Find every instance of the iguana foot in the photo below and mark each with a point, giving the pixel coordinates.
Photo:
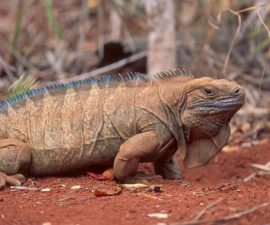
(140, 178)
(14, 180)
(15, 157)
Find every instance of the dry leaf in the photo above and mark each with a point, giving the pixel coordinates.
(99, 192)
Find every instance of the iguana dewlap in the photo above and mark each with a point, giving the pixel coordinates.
(109, 122)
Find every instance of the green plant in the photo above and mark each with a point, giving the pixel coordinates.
(52, 23)
(22, 85)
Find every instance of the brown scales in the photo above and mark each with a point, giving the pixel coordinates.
(118, 126)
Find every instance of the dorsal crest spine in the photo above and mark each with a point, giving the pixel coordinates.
(102, 79)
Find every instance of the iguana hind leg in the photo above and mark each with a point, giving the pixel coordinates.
(15, 157)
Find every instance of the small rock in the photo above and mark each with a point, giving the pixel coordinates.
(75, 187)
(185, 185)
(46, 189)
(227, 187)
(135, 186)
(158, 215)
(245, 127)
(39, 203)
(229, 148)
(155, 188)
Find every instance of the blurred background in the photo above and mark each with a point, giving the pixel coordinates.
(44, 41)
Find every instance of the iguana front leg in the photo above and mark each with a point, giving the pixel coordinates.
(166, 165)
(15, 157)
(168, 169)
(141, 147)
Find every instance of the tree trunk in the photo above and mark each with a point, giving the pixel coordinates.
(115, 20)
(161, 37)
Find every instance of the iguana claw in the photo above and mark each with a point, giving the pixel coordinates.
(14, 180)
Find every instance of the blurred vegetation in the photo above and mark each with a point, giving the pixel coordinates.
(60, 39)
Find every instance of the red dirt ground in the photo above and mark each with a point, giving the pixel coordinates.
(182, 200)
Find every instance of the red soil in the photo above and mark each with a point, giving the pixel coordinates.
(182, 200)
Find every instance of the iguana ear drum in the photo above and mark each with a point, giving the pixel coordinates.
(200, 151)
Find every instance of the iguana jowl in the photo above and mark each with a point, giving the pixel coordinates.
(103, 122)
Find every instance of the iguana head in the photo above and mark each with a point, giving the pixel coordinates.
(209, 106)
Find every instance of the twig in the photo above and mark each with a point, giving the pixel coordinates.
(249, 177)
(119, 8)
(263, 23)
(247, 23)
(81, 39)
(261, 80)
(268, 33)
(227, 218)
(233, 40)
(264, 167)
(24, 188)
(201, 213)
(100, 18)
(104, 69)
(19, 21)
(52, 23)
(263, 62)
(237, 32)
(39, 38)
(70, 201)
(16, 54)
(251, 8)
(263, 173)
(210, 19)
(56, 60)
(8, 69)
(265, 85)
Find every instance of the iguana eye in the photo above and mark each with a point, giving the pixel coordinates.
(207, 91)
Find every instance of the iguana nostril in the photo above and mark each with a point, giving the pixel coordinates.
(237, 90)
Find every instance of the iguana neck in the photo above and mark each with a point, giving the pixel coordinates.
(186, 133)
(173, 99)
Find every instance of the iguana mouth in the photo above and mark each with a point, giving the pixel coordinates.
(219, 106)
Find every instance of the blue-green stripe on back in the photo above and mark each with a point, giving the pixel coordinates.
(103, 79)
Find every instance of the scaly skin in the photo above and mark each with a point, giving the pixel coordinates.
(118, 126)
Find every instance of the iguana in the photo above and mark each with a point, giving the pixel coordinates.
(116, 122)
